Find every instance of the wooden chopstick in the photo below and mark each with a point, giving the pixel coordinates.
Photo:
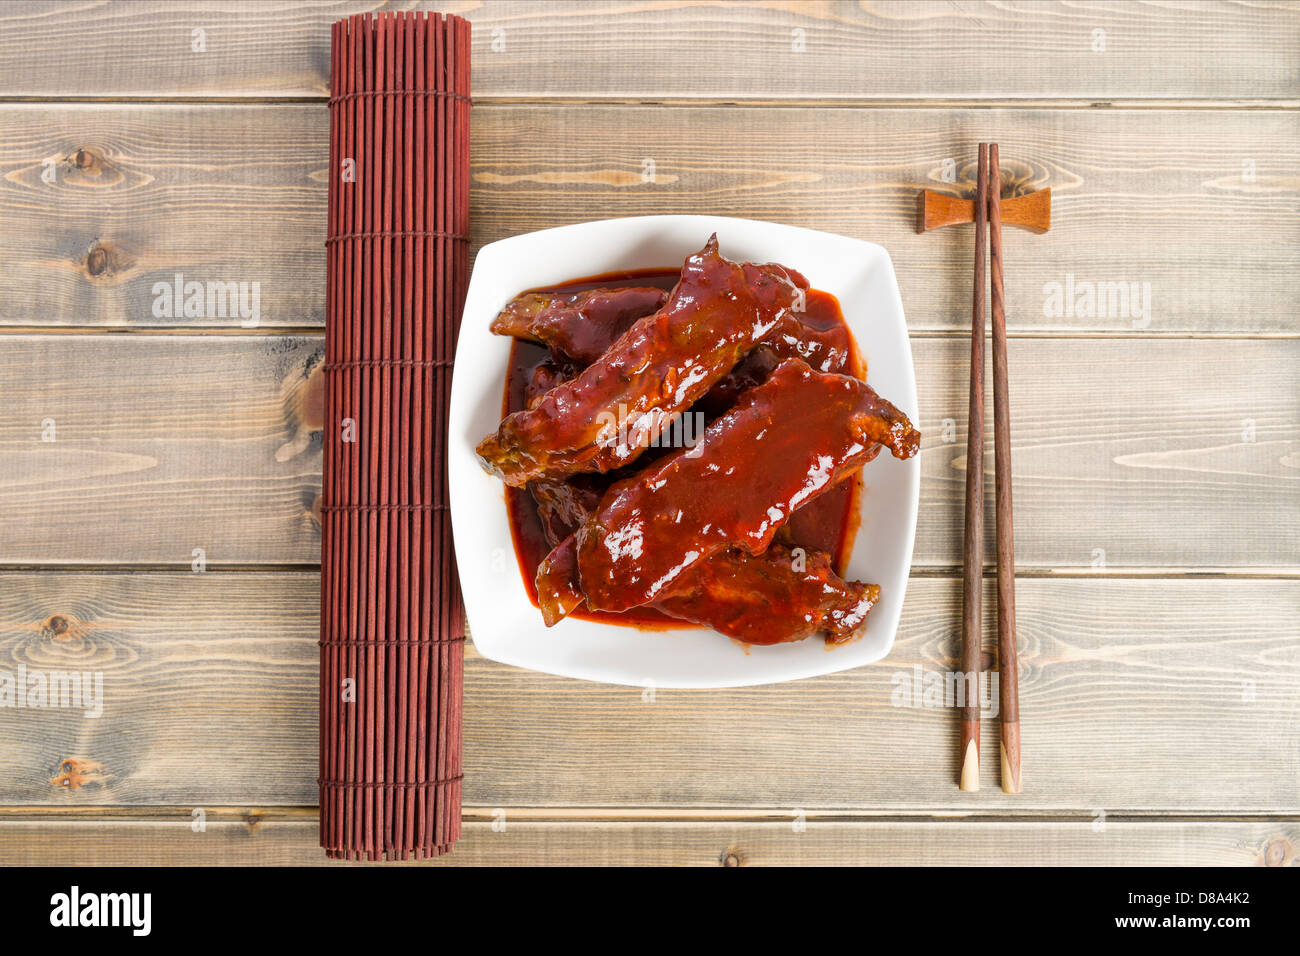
(973, 542)
(1008, 665)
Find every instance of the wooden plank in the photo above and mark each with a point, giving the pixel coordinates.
(162, 445)
(1124, 456)
(142, 194)
(1196, 210)
(206, 677)
(1137, 696)
(293, 843)
(581, 49)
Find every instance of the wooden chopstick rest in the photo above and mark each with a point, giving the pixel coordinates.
(936, 210)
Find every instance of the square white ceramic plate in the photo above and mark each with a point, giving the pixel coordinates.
(504, 624)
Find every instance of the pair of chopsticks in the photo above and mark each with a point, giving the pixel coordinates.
(988, 215)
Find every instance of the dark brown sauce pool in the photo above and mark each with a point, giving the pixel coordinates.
(828, 523)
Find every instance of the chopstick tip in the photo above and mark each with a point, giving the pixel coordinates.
(1010, 748)
(970, 767)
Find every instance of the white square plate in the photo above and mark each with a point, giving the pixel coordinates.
(504, 624)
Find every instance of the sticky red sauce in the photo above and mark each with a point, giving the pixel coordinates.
(828, 523)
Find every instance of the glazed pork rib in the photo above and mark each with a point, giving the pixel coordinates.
(781, 595)
(770, 598)
(752, 369)
(579, 325)
(659, 367)
(775, 597)
(783, 443)
(582, 326)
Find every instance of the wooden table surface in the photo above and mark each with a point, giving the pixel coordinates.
(1156, 441)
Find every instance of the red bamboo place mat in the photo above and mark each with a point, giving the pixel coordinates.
(392, 625)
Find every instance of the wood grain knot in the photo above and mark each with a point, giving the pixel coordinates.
(71, 641)
(1018, 178)
(64, 628)
(732, 857)
(99, 261)
(303, 394)
(91, 167)
(1279, 852)
(75, 773)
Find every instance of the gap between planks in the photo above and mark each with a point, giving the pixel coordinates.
(706, 815)
(974, 103)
